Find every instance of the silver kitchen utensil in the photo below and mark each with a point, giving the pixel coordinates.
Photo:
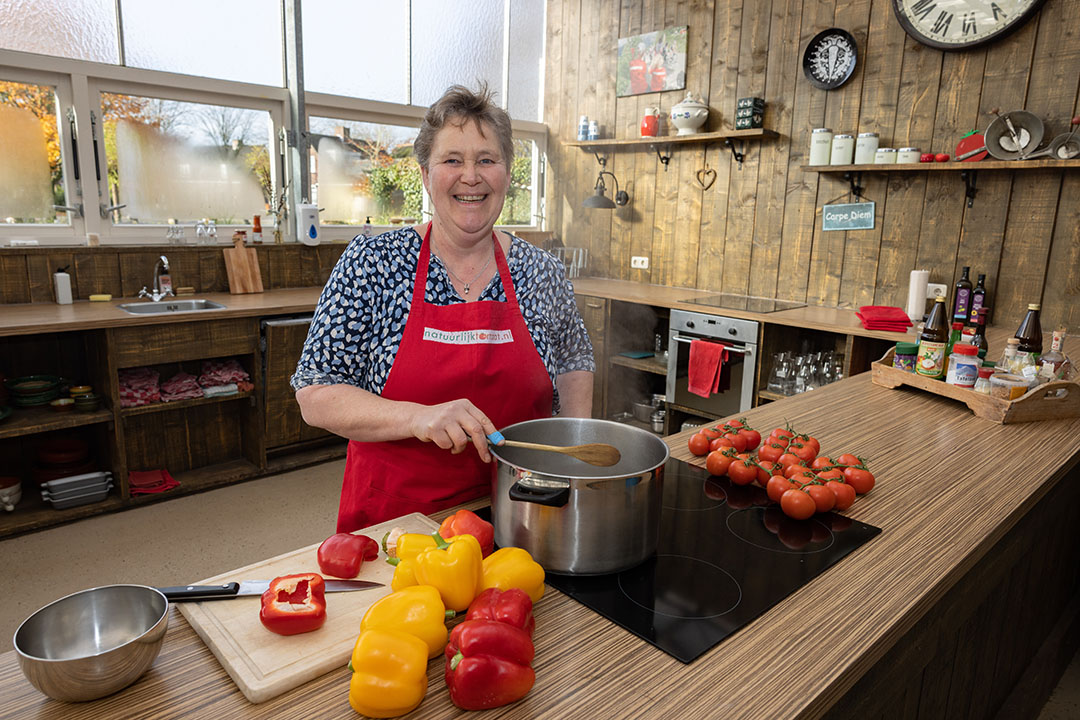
(1013, 135)
(94, 642)
(227, 591)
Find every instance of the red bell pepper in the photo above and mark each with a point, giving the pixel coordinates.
(294, 604)
(341, 555)
(511, 606)
(488, 664)
(466, 522)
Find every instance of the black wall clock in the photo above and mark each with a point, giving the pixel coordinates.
(829, 59)
(962, 24)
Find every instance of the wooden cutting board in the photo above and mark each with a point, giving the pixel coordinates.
(264, 665)
(242, 267)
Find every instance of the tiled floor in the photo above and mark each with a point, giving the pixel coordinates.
(197, 536)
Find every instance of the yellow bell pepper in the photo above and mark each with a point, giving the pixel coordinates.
(512, 567)
(417, 610)
(410, 545)
(453, 567)
(389, 673)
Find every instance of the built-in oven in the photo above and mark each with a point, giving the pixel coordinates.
(737, 390)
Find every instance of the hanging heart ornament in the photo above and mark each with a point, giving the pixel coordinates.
(706, 177)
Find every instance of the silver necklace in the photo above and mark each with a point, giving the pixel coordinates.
(467, 285)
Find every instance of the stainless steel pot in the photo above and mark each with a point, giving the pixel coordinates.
(572, 517)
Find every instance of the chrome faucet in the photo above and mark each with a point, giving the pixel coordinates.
(159, 292)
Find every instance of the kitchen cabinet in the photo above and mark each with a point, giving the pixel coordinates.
(282, 341)
(594, 312)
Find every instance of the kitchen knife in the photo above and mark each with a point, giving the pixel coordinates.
(226, 591)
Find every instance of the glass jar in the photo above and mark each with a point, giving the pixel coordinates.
(843, 150)
(820, 146)
(885, 156)
(865, 147)
(982, 385)
(904, 356)
(964, 366)
(908, 155)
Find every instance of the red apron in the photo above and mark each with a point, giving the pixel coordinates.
(477, 350)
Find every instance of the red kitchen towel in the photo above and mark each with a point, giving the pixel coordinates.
(883, 317)
(706, 364)
(147, 482)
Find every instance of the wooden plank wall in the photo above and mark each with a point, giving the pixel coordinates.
(26, 275)
(757, 229)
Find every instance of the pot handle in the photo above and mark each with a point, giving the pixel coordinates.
(552, 497)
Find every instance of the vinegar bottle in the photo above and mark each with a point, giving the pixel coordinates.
(932, 341)
(962, 298)
(1030, 336)
(978, 296)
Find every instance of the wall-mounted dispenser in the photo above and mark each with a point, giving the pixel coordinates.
(307, 223)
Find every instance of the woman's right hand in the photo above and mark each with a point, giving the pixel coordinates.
(452, 425)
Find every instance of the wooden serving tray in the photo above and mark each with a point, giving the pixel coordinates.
(1039, 403)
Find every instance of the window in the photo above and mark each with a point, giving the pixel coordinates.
(31, 167)
(80, 29)
(362, 170)
(519, 209)
(185, 161)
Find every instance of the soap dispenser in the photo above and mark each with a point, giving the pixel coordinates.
(62, 283)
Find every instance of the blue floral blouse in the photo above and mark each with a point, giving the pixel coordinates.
(360, 319)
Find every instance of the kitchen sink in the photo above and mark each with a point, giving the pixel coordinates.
(169, 306)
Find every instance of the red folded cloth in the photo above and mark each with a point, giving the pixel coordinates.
(706, 365)
(147, 482)
(883, 317)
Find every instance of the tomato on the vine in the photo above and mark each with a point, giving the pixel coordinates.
(719, 443)
(770, 451)
(764, 472)
(810, 441)
(833, 474)
(698, 444)
(804, 452)
(821, 461)
(793, 470)
(860, 479)
(797, 504)
(737, 441)
(742, 470)
(782, 433)
(848, 459)
(710, 432)
(845, 494)
(789, 459)
(734, 425)
(752, 437)
(822, 496)
(777, 486)
(717, 462)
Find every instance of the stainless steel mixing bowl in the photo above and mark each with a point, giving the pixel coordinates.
(94, 642)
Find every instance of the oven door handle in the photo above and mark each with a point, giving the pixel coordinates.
(747, 350)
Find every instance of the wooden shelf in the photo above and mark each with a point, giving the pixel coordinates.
(33, 513)
(182, 404)
(755, 134)
(27, 421)
(648, 364)
(951, 166)
(770, 395)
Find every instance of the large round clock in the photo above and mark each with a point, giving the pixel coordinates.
(962, 24)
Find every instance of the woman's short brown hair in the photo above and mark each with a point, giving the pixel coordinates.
(458, 105)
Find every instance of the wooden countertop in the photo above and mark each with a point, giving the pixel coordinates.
(35, 318)
(950, 485)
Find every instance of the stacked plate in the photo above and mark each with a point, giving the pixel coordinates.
(33, 390)
(77, 490)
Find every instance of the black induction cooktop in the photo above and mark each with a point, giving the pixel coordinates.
(725, 556)
(729, 301)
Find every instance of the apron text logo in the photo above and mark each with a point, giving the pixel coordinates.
(468, 337)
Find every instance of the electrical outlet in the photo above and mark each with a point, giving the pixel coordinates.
(934, 290)
(639, 262)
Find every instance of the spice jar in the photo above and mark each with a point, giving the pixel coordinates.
(820, 146)
(908, 155)
(1008, 387)
(865, 147)
(843, 150)
(982, 385)
(964, 365)
(658, 420)
(885, 156)
(904, 356)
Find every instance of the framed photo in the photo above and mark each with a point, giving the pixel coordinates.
(652, 62)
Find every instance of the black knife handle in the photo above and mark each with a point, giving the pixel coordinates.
(184, 593)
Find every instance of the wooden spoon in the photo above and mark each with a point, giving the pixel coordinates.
(600, 454)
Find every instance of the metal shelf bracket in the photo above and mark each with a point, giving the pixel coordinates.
(853, 182)
(970, 191)
(665, 159)
(739, 153)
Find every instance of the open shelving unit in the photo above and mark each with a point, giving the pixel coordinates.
(727, 137)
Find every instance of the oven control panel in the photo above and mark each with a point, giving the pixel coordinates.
(716, 327)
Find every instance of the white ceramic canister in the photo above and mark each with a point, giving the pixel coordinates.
(820, 146)
(843, 150)
(908, 155)
(865, 147)
(885, 156)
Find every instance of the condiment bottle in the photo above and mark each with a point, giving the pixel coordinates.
(982, 385)
(963, 366)
(955, 336)
(1029, 335)
(256, 230)
(1008, 356)
(979, 338)
(1055, 365)
(962, 297)
(932, 342)
(978, 295)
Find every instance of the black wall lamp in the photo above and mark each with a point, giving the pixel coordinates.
(598, 199)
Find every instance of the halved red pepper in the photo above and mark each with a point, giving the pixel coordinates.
(466, 522)
(294, 604)
(512, 606)
(488, 664)
(341, 555)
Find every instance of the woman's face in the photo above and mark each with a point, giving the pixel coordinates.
(466, 178)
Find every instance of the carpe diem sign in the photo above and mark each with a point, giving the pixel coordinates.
(848, 216)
